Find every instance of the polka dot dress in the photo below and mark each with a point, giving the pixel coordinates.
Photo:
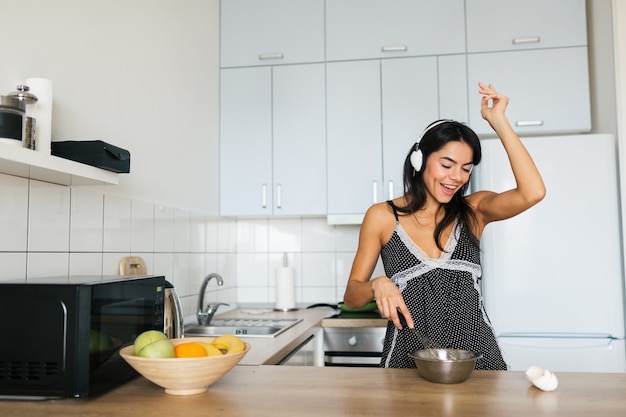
(444, 298)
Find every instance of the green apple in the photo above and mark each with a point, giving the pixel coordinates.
(99, 341)
(146, 338)
(158, 349)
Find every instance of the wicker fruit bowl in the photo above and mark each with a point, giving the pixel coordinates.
(184, 376)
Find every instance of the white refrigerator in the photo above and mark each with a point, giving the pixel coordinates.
(553, 283)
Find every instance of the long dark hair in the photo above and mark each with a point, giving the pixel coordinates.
(434, 138)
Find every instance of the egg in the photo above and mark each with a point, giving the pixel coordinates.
(542, 378)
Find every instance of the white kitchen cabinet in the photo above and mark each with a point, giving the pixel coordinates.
(548, 89)
(376, 111)
(272, 141)
(503, 25)
(365, 29)
(271, 32)
(354, 136)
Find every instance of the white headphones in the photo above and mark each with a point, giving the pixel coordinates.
(416, 156)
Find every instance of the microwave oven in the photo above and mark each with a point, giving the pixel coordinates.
(61, 336)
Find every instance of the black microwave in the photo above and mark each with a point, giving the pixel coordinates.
(61, 336)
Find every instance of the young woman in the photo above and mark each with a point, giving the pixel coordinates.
(428, 240)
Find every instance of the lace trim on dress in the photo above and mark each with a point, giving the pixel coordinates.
(428, 264)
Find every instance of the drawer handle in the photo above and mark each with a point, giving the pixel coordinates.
(391, 189)
(395, 48)
(527, 39)
(524, 123)
(270, 56)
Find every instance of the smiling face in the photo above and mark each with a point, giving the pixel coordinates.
(447, 170)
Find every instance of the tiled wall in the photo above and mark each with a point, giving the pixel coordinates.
(54, 230)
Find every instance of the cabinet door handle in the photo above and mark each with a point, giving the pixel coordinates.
(395, 48)
(374, 192)
(279, 199)
(524, 123)
(526, 39)
(270, 56)
(391, 189)
(264, 195)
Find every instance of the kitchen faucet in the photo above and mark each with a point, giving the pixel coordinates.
(206, 315)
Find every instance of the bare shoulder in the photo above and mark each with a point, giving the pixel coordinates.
(379, 219)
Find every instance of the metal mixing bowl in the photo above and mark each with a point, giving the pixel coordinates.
(445, 366)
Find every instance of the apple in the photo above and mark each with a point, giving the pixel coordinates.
(99, 341)
(159, 349)
(146, 338)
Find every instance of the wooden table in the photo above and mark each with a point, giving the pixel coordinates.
(278, 391)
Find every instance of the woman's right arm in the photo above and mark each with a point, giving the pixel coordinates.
(360, 289)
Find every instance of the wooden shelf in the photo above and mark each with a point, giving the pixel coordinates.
(27, 163)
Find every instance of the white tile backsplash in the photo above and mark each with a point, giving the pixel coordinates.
(48, 217)
(47, 264)
(197, 232)
(317, 236)
(13, 213)
(117, 215)
(163, 229)
(252, 235)
(85, 263)
(86, 221)
(53, 230)
(142, 227)
(13, 266)
(285, 235)
(182, 231)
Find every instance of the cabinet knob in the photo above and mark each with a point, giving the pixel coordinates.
(352, 341)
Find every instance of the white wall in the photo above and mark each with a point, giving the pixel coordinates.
(139, 74)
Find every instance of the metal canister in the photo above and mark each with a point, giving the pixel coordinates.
(24, 95)
(12, 113)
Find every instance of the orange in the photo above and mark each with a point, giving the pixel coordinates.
(189, 350)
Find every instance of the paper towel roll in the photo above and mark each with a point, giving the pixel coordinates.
(285, 288)
(42, 112)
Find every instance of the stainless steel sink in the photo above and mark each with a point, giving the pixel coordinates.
(242, 327)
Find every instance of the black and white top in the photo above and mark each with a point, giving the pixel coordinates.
(444, 298)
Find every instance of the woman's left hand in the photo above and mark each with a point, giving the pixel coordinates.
(498, 105)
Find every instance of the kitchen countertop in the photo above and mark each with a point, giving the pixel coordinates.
(270, 350)
(278, 391)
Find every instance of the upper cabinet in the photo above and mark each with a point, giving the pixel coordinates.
(531, 50)
(271, 32)
(507, 25)
(548, 89)
(329, 133)
(364, 29)
(376, 111)
(272, 141)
